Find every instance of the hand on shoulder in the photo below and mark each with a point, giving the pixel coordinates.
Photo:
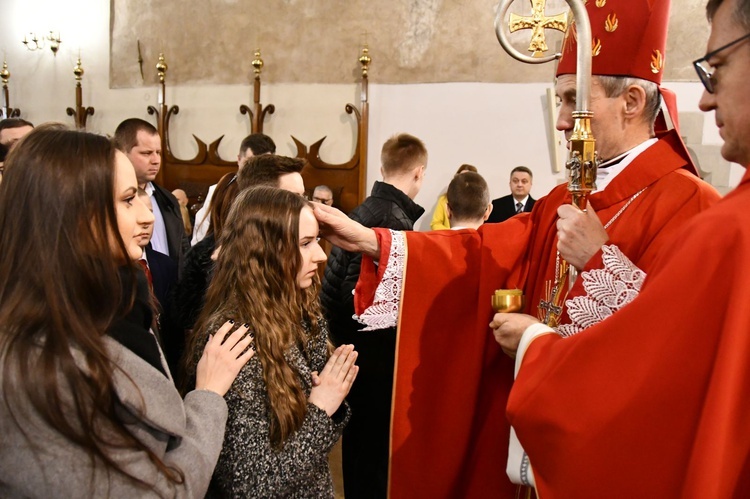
(223, 358)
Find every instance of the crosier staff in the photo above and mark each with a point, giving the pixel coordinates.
(582, 163)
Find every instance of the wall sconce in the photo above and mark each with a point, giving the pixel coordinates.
(37, 42)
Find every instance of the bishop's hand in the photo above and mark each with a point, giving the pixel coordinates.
(580, 234)
(344, 232)
(508, 329)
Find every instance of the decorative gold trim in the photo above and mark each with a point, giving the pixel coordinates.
(611, 24)
(657, 61)
(596, 46)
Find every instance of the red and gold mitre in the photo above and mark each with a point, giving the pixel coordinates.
(629, 38)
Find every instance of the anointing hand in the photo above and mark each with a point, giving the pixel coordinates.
(344, 232)
(580, 234)
(508, 329)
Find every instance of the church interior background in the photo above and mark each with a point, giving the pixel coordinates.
(436, 71)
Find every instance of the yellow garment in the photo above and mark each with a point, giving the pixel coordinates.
(440, 217)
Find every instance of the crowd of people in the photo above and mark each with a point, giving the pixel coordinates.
(145, 353)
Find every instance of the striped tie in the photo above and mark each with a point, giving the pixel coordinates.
(519, 207)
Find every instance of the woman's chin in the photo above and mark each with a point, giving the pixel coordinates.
(135, 252)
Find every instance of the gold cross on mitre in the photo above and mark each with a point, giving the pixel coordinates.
(537, 23)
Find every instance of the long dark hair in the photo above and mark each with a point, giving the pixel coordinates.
(225, 192)
(60, 287)
(255, 279)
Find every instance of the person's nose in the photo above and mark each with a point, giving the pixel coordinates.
(707, 102)
(144, 216)
(319, 256)
(564, 118)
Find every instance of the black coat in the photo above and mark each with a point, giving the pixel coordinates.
(505, 207)
(386, 207)
(365, 443)
(177, 240)
(164, 275)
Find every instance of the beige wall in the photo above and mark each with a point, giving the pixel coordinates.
(317, 41)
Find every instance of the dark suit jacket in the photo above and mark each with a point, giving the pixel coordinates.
(164, 274)
(505, 207)
(177, 240)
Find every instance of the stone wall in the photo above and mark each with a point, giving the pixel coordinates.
(318, 41)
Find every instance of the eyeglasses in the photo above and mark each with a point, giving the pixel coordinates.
(706, 76)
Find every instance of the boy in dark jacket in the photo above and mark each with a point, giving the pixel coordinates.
(390, 205)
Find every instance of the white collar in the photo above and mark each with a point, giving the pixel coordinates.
(523, 201)
(605, 176)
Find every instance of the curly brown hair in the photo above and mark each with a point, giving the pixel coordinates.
(255, 280)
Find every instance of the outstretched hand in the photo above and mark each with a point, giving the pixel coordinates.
(332, 385)
(580, 234)
(222, 359)
(508, 329)
(344, 232)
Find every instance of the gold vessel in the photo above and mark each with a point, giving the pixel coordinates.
(508, 300)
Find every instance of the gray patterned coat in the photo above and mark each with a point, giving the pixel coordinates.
(248, 465)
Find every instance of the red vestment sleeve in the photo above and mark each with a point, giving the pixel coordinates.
(449, 435)
(370, 274)
(652, 402)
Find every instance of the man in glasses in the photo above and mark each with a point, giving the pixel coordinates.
(653, 402)
(452, 380)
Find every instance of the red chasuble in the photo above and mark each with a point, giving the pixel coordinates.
(655, 401)
(449, 435)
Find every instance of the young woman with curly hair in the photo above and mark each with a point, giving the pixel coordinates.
(284, 417)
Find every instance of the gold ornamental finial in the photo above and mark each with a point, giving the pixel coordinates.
(161, 67)
(537, 23)
(365, 60)
(78, 70)
(257, 63)
(5, 74)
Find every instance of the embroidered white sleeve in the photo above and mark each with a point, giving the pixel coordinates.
(607, 291)
(383, 312)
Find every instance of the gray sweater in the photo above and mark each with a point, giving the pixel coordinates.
(36, 461)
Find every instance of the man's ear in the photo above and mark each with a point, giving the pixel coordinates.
(448, 210)
(488, 211)
(419, 172)
(634, 101)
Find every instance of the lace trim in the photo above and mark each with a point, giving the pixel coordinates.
(383, 313)
(607, 290)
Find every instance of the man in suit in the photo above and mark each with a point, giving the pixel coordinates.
(140, 142)
(161, 272)
(518, 201)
